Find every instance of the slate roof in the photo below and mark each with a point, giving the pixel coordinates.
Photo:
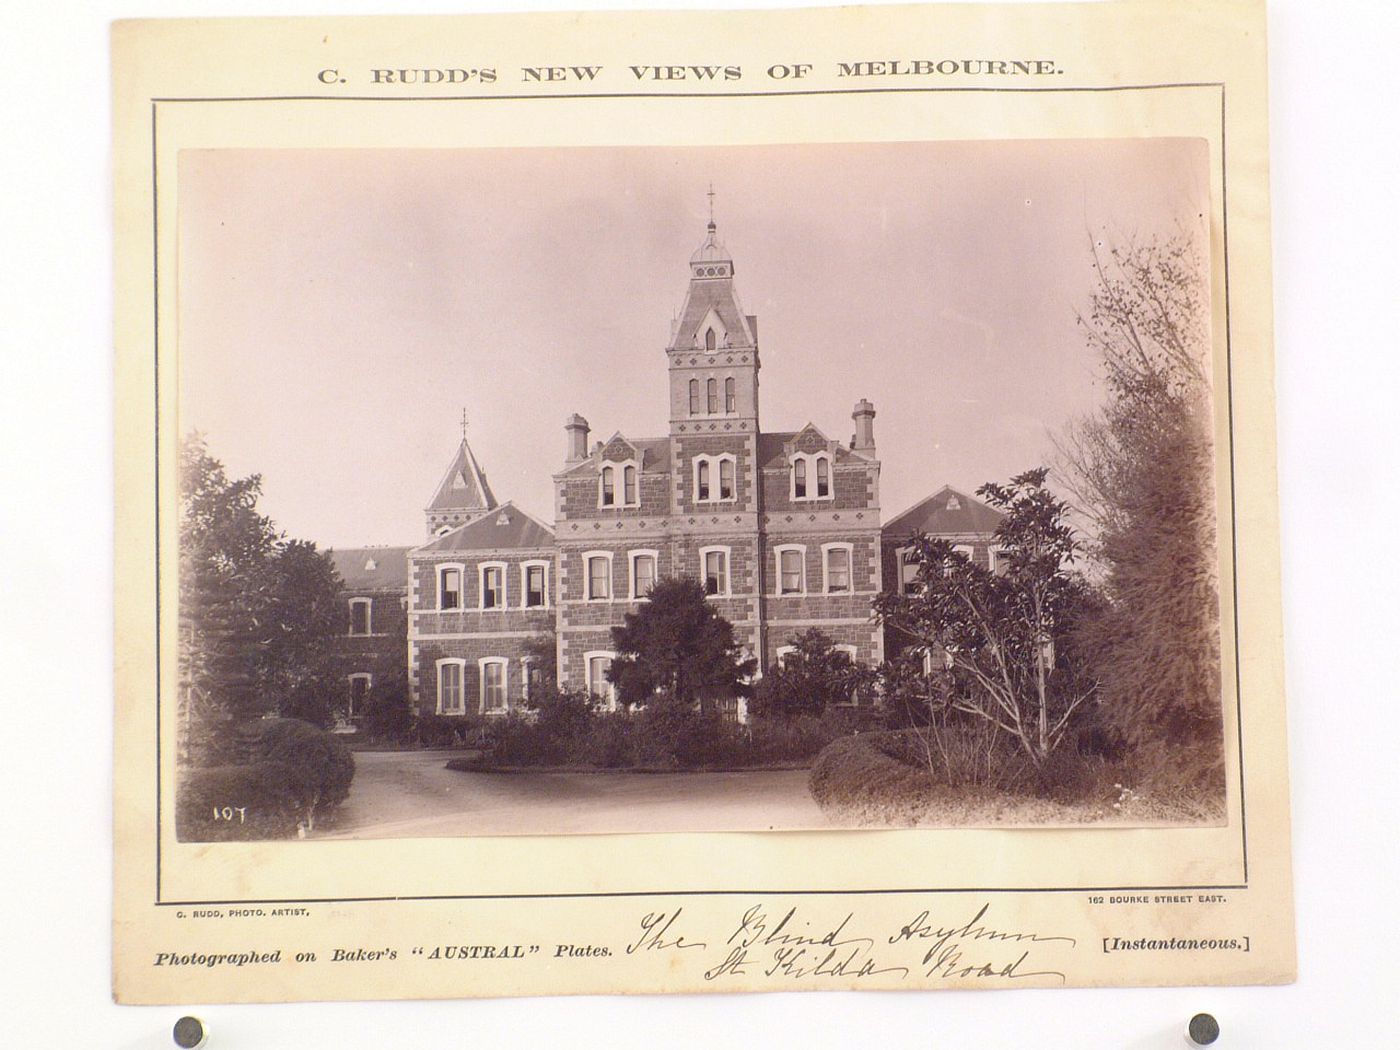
(713, 293)
(464, 486)
(654, 454)
(771, 448)
(507, 527)
(372, 568)
(934, 516)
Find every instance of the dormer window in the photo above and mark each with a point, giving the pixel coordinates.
(607, 499)
(710, 340)
(629, 486)
(811, 475)
(953, 503)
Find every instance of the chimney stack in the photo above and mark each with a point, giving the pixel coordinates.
(577, 429)
(864, 416)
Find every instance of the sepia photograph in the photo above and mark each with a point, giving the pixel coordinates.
(584, 490)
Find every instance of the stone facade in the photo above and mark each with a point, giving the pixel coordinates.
(782, 527)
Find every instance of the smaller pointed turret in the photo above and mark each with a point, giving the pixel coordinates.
(462, 496)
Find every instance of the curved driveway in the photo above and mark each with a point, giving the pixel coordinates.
(400, 794)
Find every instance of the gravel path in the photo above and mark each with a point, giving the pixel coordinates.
(404, 794)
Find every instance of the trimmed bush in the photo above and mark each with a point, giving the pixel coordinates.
(325, 765)
(236, 803)
(854, 777)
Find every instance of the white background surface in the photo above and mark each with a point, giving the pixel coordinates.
(1335, 183)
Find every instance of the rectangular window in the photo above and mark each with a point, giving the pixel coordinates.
(450, 688)
(838, 570)
(644, 574)
(534, 586)
(702, 481)
(598, 581)
(598, 683)
(908, 572)
(716, 572)
(492, 593)
(629, 485)
(711, 396)
(695, 397)
(493, 687)
(790, 572)
(1001, 561)
(359, 695)
(729, 395)
(359, 616)
(450, 589)
(726, 479)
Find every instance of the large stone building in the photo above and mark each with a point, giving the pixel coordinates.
(782, 527)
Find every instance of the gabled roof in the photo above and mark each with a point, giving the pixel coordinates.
(773, 447)
(946, 512)
(372, 568)
(654, 455)
(464, 486)
(506, 527)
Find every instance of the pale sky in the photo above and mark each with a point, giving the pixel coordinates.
(339, 309)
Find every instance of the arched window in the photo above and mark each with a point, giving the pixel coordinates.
(726, 479)
(695, 397)
(799, 479)
(711, 396)
(729, 394)
(702, 483)
(629, 485)
(607, 498)
(823, 478)
(709, 339)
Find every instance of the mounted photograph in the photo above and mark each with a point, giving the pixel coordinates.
(485, 529)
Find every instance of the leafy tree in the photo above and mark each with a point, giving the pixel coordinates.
(678, 646)
(1142, 470)
(258, 613)
(998, 632)
(811, 678)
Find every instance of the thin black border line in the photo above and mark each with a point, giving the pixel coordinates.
(788, 93)
(155, 334)
(1229, 394)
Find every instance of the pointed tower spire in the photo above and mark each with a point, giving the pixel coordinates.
(463, 494)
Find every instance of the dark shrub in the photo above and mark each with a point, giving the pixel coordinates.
(794, 739)
(513, 739)
(438, 730)
(563, 719)
(609, 742)
(237, 803)
(855, 776)
(324, 764)
(676, 735)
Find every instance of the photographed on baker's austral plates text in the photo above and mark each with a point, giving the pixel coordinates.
(464, 537)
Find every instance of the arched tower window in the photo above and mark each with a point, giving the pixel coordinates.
(726, 479)
(711, 396)
(729, 394)
(702, 485)
(695, 397)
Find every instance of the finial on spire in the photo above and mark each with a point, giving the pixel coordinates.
(464, 424)
(711, 195)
